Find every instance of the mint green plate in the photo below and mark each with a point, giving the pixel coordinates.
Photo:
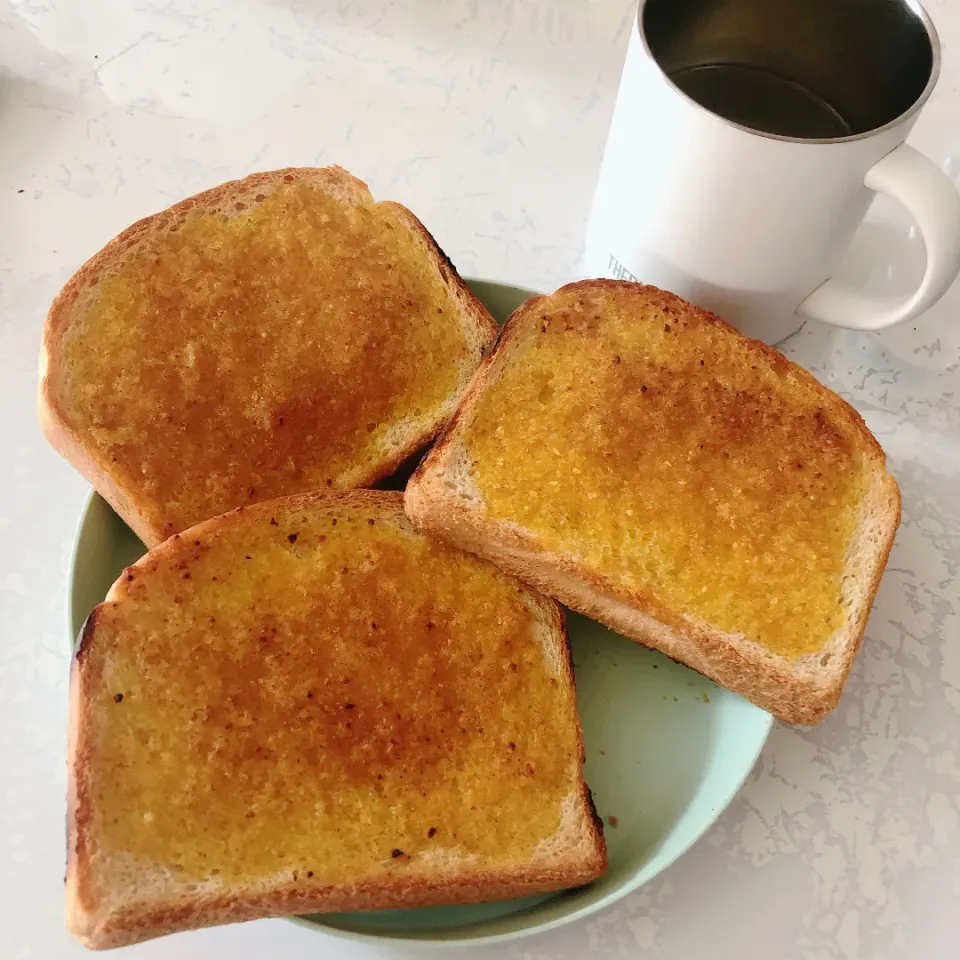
(666, 750)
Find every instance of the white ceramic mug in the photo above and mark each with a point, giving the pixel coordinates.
(747, 141)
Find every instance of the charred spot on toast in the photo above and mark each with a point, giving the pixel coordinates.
(87, 632)
(592, 807)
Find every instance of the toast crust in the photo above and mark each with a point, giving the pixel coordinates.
(196, 912)
(105, 913)
(148, 513)
(800, 691)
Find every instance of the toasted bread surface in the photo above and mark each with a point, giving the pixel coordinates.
(644, 462)
(306, 706)
(277, 334)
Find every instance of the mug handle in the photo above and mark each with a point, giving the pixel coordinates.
(932, 200)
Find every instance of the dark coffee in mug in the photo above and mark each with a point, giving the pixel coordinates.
(805, 69)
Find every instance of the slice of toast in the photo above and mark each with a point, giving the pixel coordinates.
(640, 460)
(306, 706)
(275, 335)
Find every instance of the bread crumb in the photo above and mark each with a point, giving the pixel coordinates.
(612, 820)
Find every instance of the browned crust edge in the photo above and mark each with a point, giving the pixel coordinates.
(139, 513)
(137, 922)
(766, 681)
(488, 327)
(146, 922)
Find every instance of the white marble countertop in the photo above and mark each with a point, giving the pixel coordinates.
(488, 120)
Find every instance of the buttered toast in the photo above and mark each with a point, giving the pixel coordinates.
(640, 460)
(275, 335)
(307, 706)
